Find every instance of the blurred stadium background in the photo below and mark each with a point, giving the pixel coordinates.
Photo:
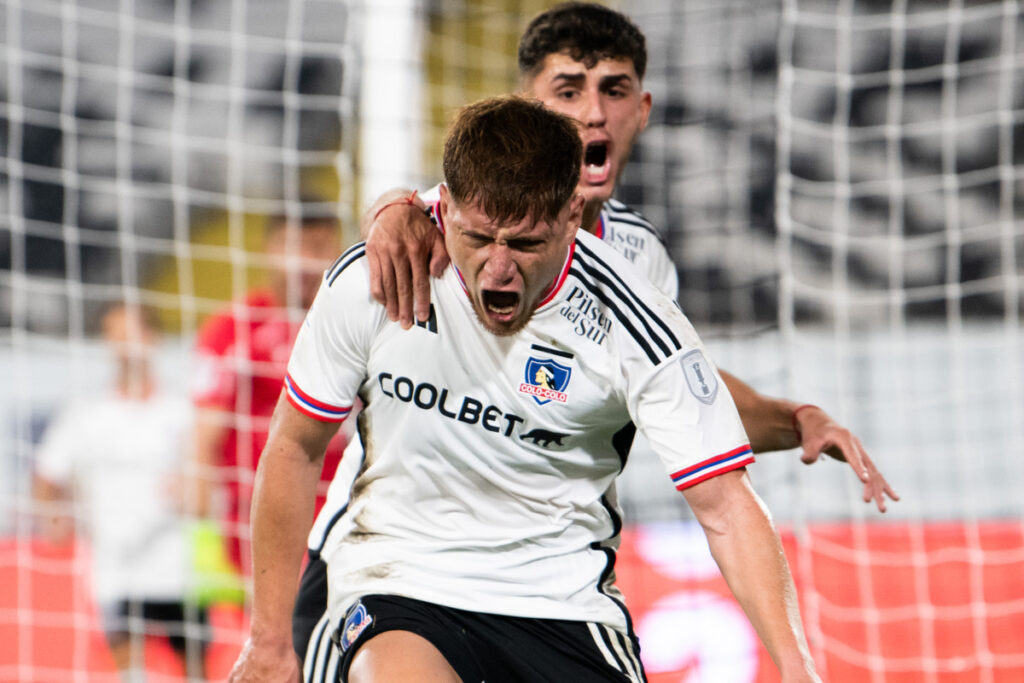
(840, 183)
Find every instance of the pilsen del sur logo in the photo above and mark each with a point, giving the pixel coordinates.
(546, 380)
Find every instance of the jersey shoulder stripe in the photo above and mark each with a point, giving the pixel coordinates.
(713, 466)
(348, 257)
(621, 213)
(623, 320)
(311, 407)
(639, 302)
(655, 330)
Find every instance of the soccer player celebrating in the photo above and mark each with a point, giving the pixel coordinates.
(587, 61)
(479, 541)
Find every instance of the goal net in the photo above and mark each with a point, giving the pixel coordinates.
(836, 182)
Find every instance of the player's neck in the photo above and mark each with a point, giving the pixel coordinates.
(591, 216)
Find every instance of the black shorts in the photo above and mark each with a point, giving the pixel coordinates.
(310, 603)
(480, 646)
(179, 622)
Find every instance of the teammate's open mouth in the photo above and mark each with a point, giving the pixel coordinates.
(597, 164)
(596, 154)
(500, 303)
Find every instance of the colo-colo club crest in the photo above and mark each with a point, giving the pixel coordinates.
(546, 380)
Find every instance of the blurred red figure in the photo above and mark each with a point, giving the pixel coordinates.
(242, 352)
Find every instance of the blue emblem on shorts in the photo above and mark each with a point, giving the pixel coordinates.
(355, 623)
(546, 380)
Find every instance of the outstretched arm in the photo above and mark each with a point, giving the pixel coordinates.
(403, 248)
(282, 512)
(749, 553)
(775, 424)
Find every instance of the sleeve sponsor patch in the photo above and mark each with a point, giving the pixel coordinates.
(700, 378)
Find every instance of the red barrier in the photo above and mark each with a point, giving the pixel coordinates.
(897, 603)
(893, 603)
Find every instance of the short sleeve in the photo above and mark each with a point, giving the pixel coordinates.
(685, 411)
(328, 362)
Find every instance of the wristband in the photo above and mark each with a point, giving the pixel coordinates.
(408, 201)
(796, 428)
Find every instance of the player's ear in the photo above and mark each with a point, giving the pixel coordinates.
(444, 206)
(575, 218)
(645, 106)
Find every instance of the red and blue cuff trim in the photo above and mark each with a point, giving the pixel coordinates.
(712, 467)
(309, 406)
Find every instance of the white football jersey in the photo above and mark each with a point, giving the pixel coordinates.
(487, 479)
(630, 234)
(621, 228)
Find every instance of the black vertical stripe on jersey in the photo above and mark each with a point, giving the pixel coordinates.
(626, 293)
(609, 566)
(315, 552)
(622, 441)
(623, 320)
(353, 254)
(430, 324)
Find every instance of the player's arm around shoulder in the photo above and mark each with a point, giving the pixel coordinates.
(404, 249)
(748, 551)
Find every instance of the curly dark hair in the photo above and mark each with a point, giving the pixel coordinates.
(587, 32)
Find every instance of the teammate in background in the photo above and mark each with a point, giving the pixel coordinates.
(480, 539)
(241, 357)
(118, 458)
(587, 61)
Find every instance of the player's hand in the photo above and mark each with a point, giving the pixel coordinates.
(821, 434)
(266, 664)
(402, 243)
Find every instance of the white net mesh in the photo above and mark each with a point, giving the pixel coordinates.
(144, 147)
(838, 184)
